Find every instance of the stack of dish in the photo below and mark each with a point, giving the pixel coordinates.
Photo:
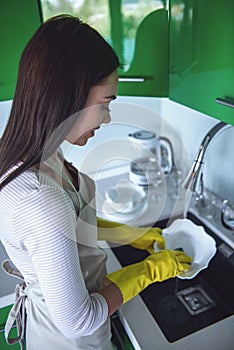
(124, 199)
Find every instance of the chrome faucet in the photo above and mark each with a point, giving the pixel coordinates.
(194, 177)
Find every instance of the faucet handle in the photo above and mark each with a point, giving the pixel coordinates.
(227, 215)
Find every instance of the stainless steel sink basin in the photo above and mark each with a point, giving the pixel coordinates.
(182, 307)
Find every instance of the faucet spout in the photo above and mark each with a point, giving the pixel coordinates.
(193, 178)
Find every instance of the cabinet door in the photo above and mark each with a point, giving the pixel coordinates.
(140, 37)
(18, 21)
(3, 317)
(202, 56)
(3, 343)
(147, 74)
(137, 30)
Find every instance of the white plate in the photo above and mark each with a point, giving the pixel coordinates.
(194, 241)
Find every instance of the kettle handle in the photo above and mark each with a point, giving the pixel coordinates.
(228, 222)
(166, 154)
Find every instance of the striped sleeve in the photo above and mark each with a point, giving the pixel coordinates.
(45, 223)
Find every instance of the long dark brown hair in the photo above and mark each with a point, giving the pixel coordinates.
(59, 65)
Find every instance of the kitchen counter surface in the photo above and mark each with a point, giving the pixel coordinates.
(141, 327)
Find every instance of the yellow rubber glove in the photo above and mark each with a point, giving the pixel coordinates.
(133, 279)
(147, 240)
(138, 237)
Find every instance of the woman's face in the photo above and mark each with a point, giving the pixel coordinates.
(95, 112)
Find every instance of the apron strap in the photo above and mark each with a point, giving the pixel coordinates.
(17, 313)
(11, 270)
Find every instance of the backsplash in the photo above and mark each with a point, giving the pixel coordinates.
(191, 126)
(219, 161)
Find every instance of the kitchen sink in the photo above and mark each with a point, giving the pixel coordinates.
(182, 307)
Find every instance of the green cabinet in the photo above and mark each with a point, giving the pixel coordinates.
(147, 74)
(201, 73)
(18, 22)
(189, 57)
(3, 343)
(137, 30)
(140, 37)
(3, 317)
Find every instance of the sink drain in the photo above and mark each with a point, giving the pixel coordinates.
(195, 299)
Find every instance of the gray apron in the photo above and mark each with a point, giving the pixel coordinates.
(30, 310)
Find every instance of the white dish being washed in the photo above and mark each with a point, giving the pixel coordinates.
(184, 235)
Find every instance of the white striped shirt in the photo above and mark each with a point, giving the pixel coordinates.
(37, 242)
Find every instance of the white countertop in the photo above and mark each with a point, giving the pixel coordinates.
(156, 204)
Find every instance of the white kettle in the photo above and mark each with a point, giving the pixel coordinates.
(150, 155)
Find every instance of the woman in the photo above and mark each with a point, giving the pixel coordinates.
(66, 81)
